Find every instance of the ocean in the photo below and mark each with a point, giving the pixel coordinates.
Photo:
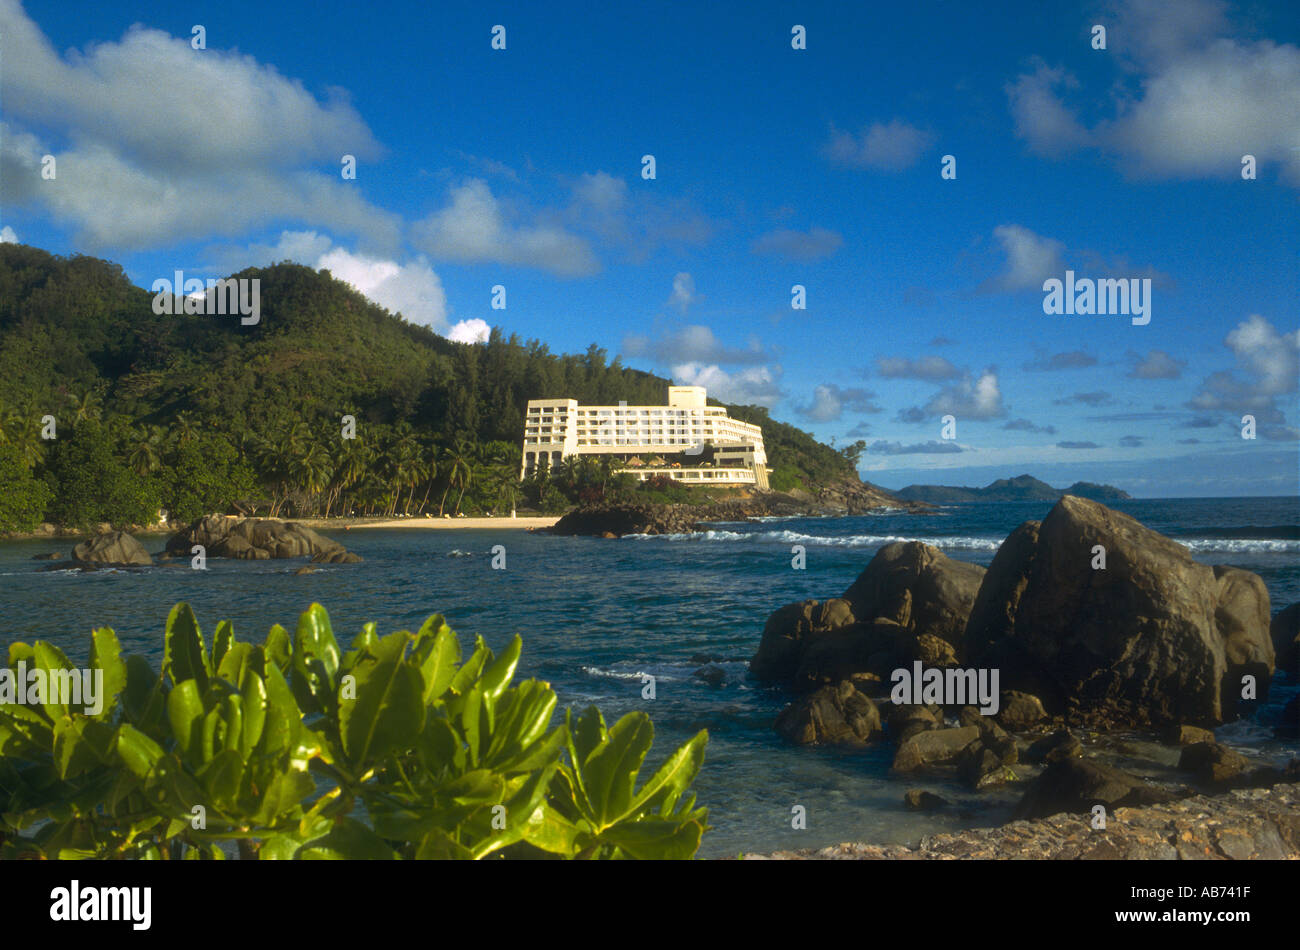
(596, 614)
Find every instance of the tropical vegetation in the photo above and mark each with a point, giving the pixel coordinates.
(328, 405)
(296, 748)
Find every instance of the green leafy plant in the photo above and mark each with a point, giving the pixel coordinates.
(295, 748)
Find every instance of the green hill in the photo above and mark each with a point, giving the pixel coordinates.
(195, 413)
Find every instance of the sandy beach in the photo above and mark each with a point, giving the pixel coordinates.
(435, 524)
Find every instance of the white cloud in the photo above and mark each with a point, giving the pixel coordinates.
(473, 229)
(683, 294)
(890, 146)
(969, 399)
(756, 385)
(1195, 102)
(1040, 116)
(1268, 366)
(692, 344)
(1031, 258)
(473, 330)
(7, 235)
(830, 401)
(222, 145)
(412, 288)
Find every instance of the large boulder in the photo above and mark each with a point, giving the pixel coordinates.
(918, 587)
(255, 539)
(788, 632)
(911, 602)
(831, 715)
(112, 549)
(1151, 638)
(1076, 785)
(1285, 631)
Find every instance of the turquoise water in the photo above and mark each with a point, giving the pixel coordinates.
(595, 614)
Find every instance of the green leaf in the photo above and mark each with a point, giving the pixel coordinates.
(547, 829)
(222, 641)
(221, 778)
(387, 712)
(677, 772)
(610, 771)
(106, 655)
(348, 840)
(183, 654)
(138, 752)
(588, 732)
(185, 714)
(61, 679)
(241, 659)
(440, 846)
(496, 677)
(143, 700)
(468, 673)
(253, 691)
(81, 743)
(279, 648)
(316, 659)
(438, 652)
(651, 839)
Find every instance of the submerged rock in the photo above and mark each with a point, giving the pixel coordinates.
(917, 799)
(712, 674)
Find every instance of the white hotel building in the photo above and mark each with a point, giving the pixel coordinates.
(686, 440)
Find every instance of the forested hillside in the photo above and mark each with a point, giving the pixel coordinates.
(194, 413)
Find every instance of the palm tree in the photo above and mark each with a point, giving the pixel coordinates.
(456, 465)
(184, 426)
(430, 473)
(86, 406)
(145, 456)
(18, 429)
(353, 461)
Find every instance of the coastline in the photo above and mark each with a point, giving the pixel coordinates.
(522, 523)
(1243, 824)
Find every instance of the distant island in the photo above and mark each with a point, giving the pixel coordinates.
(1020, 488)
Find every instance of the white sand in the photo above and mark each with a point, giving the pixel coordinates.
(446, 524)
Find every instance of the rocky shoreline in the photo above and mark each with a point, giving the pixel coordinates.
(830, 502)
(1086, 625)
(1243, 824)
(218, 536)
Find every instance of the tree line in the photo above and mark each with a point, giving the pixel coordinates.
(194, 414)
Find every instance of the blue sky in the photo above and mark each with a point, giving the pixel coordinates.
(774, 167)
